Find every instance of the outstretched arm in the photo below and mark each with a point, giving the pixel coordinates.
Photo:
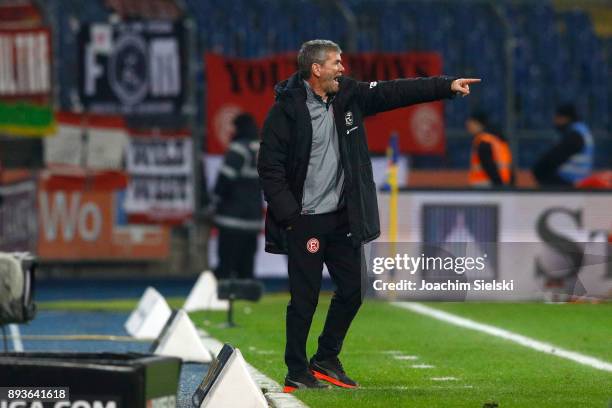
(376, 97)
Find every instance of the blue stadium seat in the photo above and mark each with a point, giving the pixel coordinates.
(458, 152)
(531, 149)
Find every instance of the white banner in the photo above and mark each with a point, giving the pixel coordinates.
(545, 242)
(25, 56)
(95, 143)
(105, 148)
(161, 179)
(65, 146)
(513, 225)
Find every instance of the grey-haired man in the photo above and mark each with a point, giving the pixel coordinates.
(316, 175)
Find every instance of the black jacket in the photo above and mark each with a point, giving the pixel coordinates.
(485, 154)
(237, 194)
(546, 169)
(287, 138)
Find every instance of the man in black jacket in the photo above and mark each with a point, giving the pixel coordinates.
(237, 201)
(316, 174)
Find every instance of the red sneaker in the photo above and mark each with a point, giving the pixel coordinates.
(331, 370)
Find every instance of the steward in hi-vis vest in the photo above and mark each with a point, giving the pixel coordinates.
(491, 158)
(571, 159)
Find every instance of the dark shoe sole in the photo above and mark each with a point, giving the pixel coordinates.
(320, 376)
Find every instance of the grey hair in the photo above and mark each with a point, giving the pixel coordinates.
(314, 51)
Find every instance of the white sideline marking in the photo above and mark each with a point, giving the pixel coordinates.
(389, 353)
(507, 335)
(422, 366)
(271, 389)
(266, 352)
(443, 379)
(16, 335)
(400, 357)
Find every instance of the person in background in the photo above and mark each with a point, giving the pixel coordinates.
(491, 158)
(571, 159)
(237, 202)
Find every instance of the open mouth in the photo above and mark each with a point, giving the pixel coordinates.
(337, 79)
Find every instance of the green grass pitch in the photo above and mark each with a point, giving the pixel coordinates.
(485, 369)
(470, 369)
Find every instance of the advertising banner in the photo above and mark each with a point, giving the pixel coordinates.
(472, 245)
(106, 143)
(82, 218)
(161, 177)
(91, 141)
(18, 226)
(513, 229)
(247, 85)
(132, 68)
(25, 63)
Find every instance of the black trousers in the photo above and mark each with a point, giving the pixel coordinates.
(313, 241)
(236, 253)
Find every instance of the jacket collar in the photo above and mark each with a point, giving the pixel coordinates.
(291, 92)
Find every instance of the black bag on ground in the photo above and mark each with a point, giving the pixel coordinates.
(16, 287)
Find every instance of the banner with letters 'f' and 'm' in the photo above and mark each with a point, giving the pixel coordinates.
(132, 68)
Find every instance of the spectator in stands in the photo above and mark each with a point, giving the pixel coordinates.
(491, 158)
(571, 159)
(237, 200)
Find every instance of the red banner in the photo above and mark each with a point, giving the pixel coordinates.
(80, 217)
(247, 85)
(19, 13)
